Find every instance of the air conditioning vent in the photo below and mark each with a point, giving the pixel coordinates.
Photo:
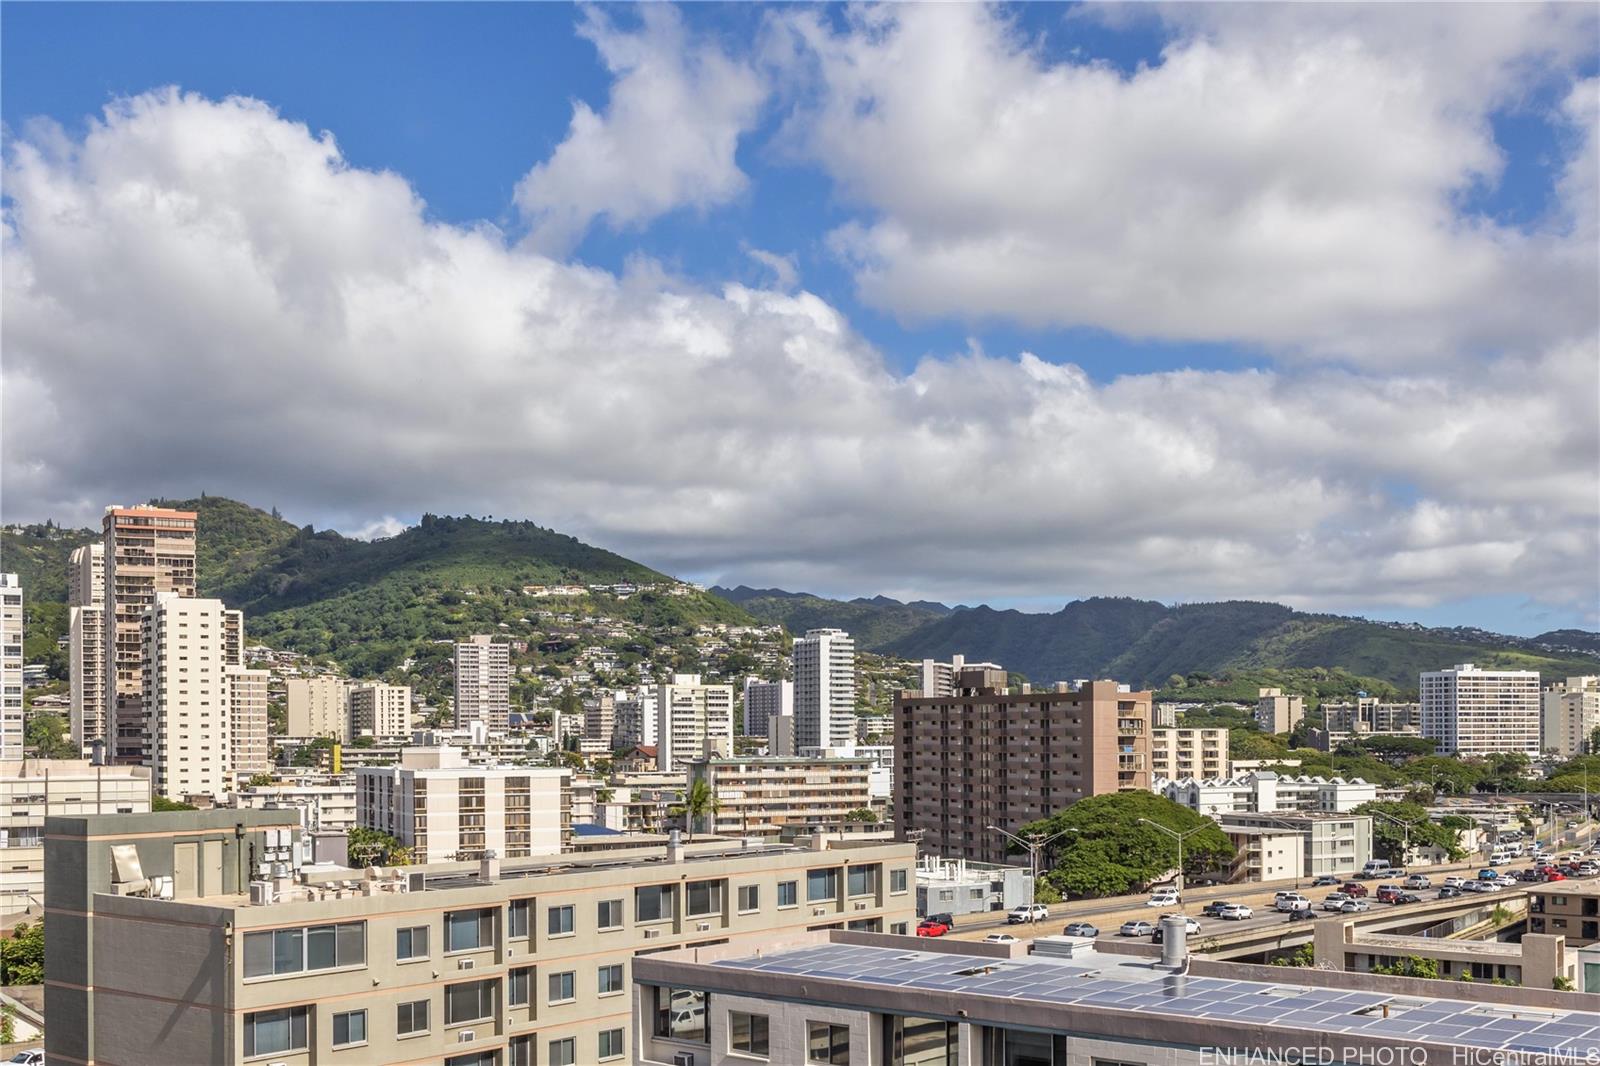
(260, 893)
(702, 927)
(466, 1036)
(651, 934)
(414, 882)
(818, 912)
(683, 1058)
(466, 964)
(862, 906)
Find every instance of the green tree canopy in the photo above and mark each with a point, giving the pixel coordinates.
(1113, 852)
(1389, 837)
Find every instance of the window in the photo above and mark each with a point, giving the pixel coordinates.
(269, 1032)
(519, 917)
(705, 897)
(900, 928)
(747, 1033)
(469, 1002)
(681, 1013)
(350, 1028)
(749, 897)
(822, 885)
(562, 987)
(921, 1041)
(863, 880)
(560, 920)
(518, 986)
(608, 914)
(467, 930)
(521, 1051)
(563, 1052)
(787, 896)
(317, 947)
(611, 979)
(610, 1044)
(653, 903)
(897, 881)
(828, 1043)
(411, 943)
(477, 1058)
(411, 1018)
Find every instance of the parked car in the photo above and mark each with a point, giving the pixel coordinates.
(1302, 916)
(1448, 892)
(1417, 881)
(1165, 897)
(1324, 880)
(1334, 901)
(1354, 888)
(929, 927)
(1291, 901)
(1000, 938)
(1136, 929)
(1036, 912)
(1235, 912)
(31, 1057)
(1081, 929)
(1352, 906)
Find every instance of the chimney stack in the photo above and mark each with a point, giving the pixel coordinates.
(489, 866)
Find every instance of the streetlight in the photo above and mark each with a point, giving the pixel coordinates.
(1033, 845)
(1179, 837)
(1405, 827)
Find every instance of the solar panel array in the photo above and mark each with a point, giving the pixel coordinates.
(1111, 983)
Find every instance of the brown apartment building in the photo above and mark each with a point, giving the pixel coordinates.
(1569, 908)
(147, 550)
(987, 755)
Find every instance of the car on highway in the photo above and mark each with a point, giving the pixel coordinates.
(1324, 881)
(1354, 888)
(1507, 881)
(1488, 875)
(1334, 900)
(1302, 916)
(1552, 875)
(1454, 882)
(1212, 909)
(1416, 881)
(1036, 912)
(1291, 901)
(1189, 924)
(1353, 906)
(929, 927)
(1235, 912)
(1448, 892)
(1165, 897)
(1406, 897)
(1000, 938)
(1588, 868)
(1387, 893)
(1081, 929)
(1484, 886)
(1136, 929)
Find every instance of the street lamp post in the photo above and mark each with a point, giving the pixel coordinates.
(1179, 837)
(1405, 832)
(1035, 843)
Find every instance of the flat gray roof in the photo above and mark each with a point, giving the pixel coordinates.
(1119, 983)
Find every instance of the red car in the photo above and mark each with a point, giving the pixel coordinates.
(1555, 875)
(929, 927)
(1354, 888)
(1388, 893)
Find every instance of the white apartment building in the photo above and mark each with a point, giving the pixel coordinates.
(1468, 711)
(86, 575)
(483, 683)
(33, 789)
(11, 733)
(762, 700)
(1277, 713)
(1195, 753)
(446, 811)
(380, 710)
(939, 679)
(247, 720)
(693, 721)
(600, 718)
(1569, 716)
(880, 778)
(824, 689)
(1297, 843)
(1265, 792)
(86, 603)
(318, 707)
(185, 683)
(759, 797)
(635, 718)
(325, 804)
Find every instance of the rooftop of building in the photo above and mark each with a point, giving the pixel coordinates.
(1248, 779)
(1115, 982)
(67, 768)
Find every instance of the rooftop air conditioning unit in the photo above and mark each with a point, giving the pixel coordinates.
(466, 964)
(260, 893)
(466, 1036)
(683, 1058)
(414, 882)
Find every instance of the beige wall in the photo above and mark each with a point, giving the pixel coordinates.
(381, 710)
(319, 707)
(186, 691)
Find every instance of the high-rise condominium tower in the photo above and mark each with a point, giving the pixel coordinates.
(693, 721)
(146, 550)
(11, 734)
(1467, 711)
(825, 689)
(184, 674)
(483, 683)
(86, 635)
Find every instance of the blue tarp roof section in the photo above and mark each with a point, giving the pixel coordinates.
(586, 830)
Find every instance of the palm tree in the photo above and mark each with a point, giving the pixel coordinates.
(700, 802)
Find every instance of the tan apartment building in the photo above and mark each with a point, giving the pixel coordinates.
(988, 756)
(11, 626)
(1277, 713)
(1569, 716)
(33, 789)
(251, 752)
(498, 962)
(146, 550)
(444, 810)
(693, 721)
(1197, 753)
(86, 643)
(318, 707)
(1570, 908)
(759, 797)
(184, 675)
(380, 710)
(483, 683)
(1537, 960)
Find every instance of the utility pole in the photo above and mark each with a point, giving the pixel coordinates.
(1179, 837)
(1034, 843)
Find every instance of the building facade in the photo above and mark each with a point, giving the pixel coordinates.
(1570, 908)
(444, 810)
(185, 681)
(318, 707)
(1468, 711)
(380, 710)
(1368, 716)
(86, 645)
(1277, 713)
(693, 721)
(11, 627)
(759, 797)
(600, 718)
(504, 963)
(146, 551)
(483, 683)
(986, 756)
(251, 752)
(1569, 717)
(1188, 753)
(1265, 792)
(762, 700)
(1297, 844)
(636, 718)
(824, 689)
(324, 804)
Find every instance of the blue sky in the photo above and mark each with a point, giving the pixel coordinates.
(462, 101)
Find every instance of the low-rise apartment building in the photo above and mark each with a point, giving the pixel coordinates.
(1199, 753)
(327, 805)
(1366, 717)
(1265, 791)
(1570, 908)
(1537, 960)
(759, 797)
(505, 963)
(32, 790)
(445, 810)
(1297, 844)
(379, 710)
(1278, 713)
